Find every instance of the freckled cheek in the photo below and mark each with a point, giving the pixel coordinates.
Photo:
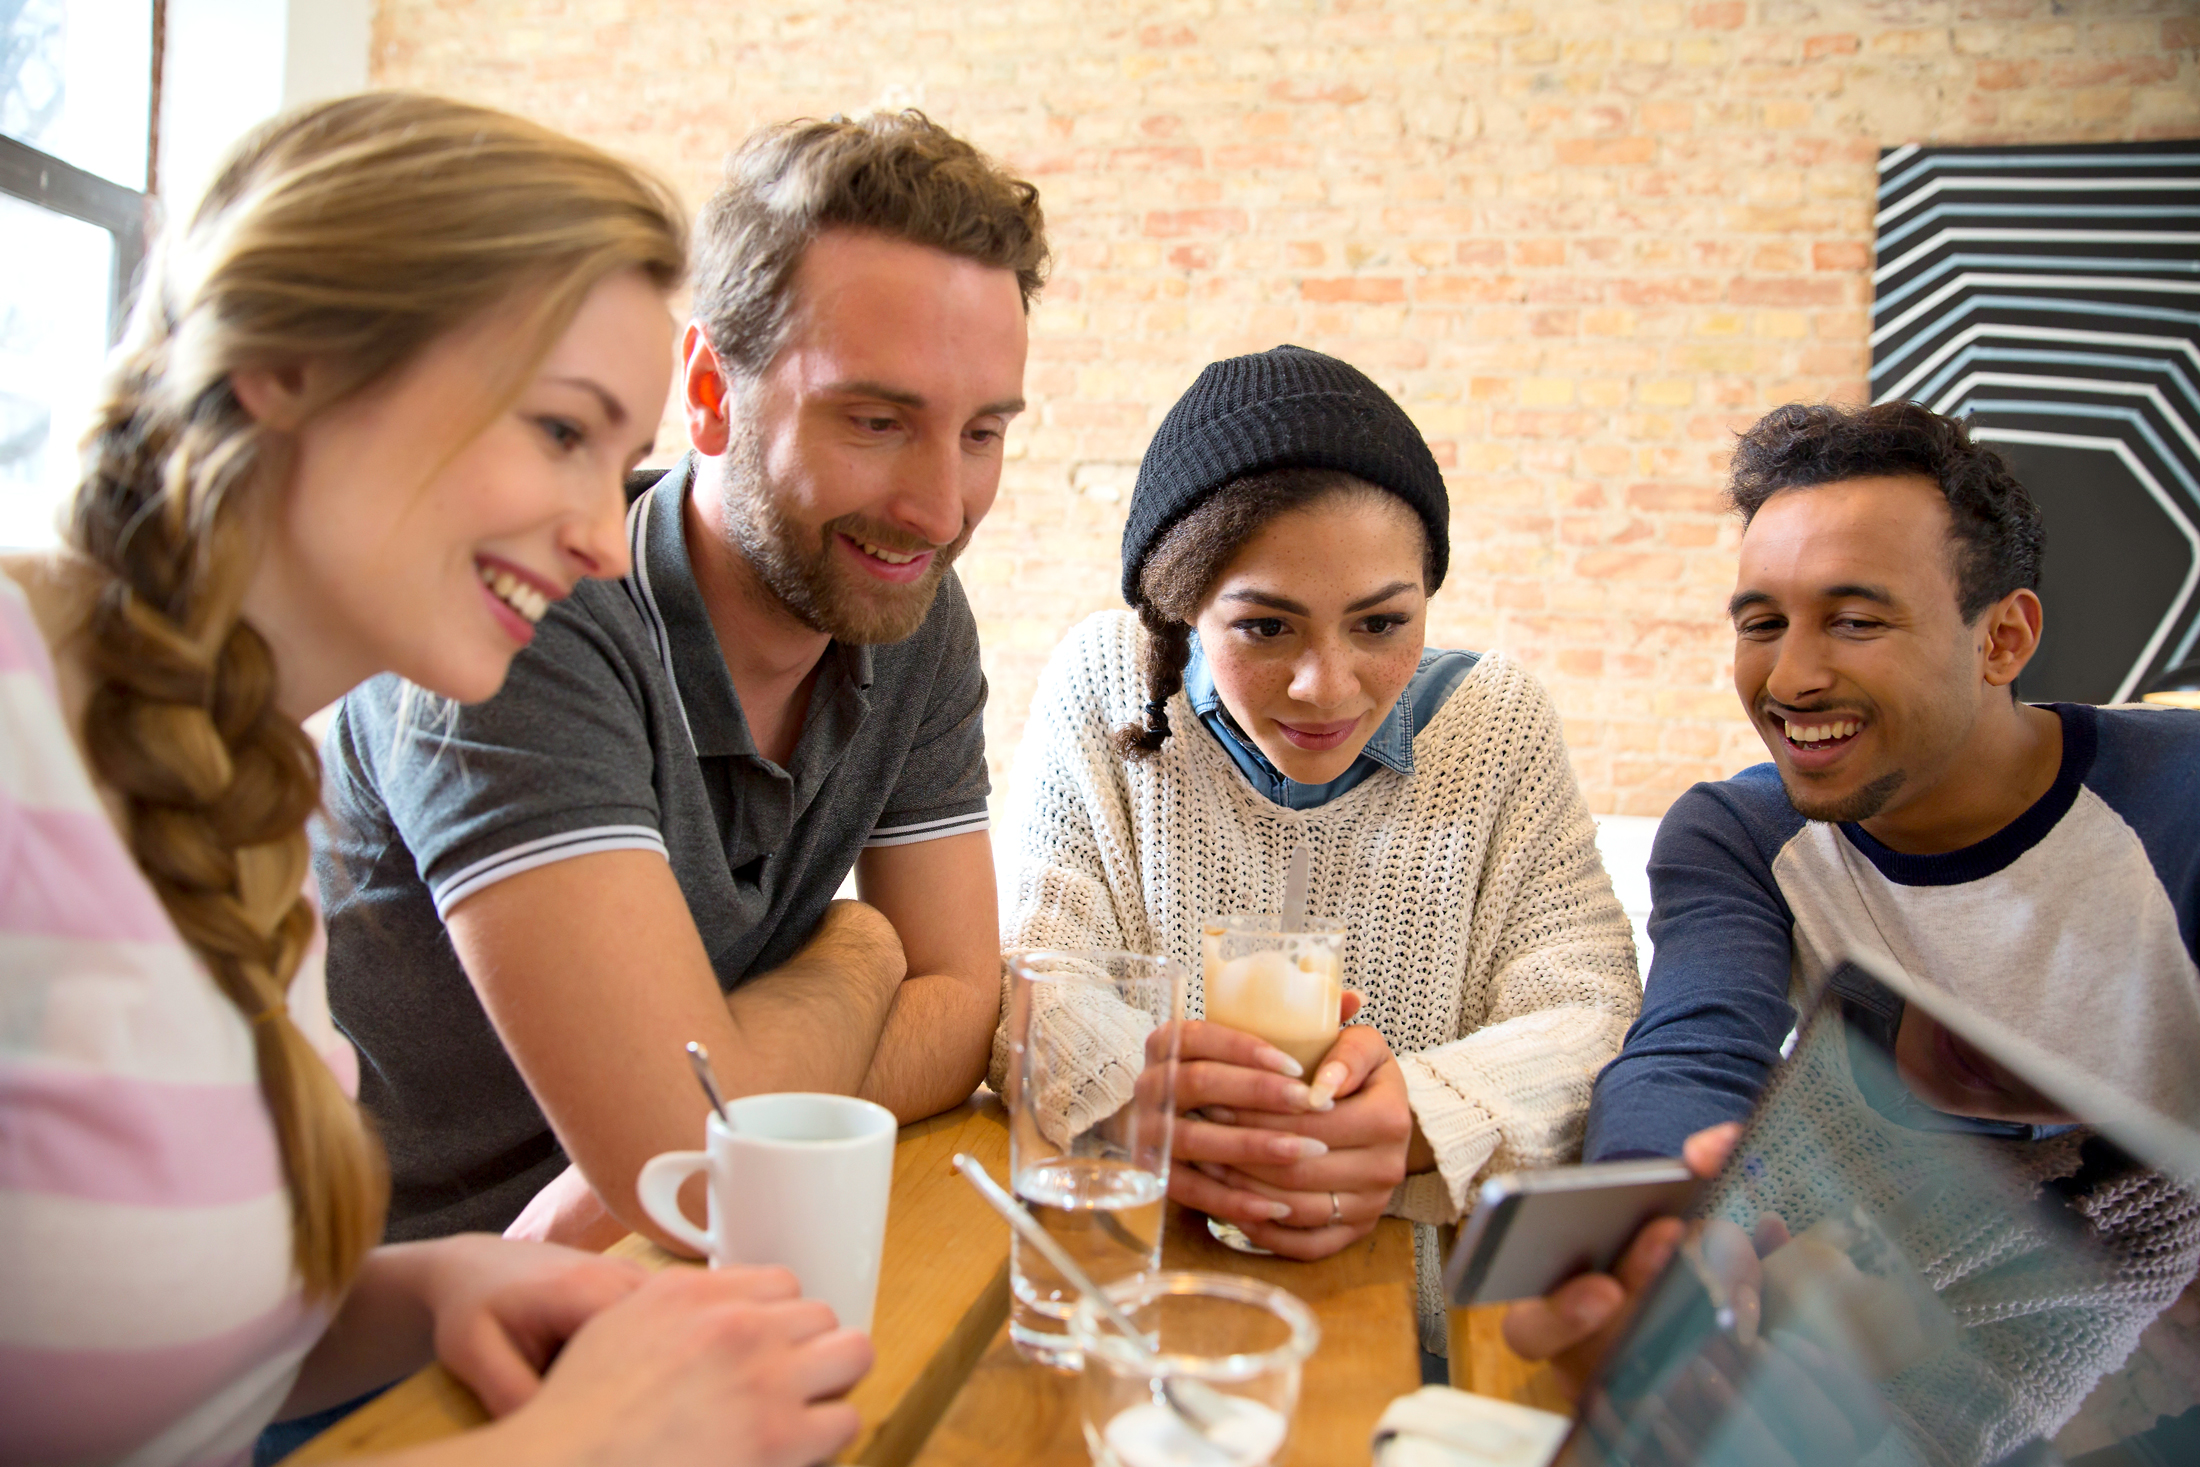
(1250, 685)
(1388, 676)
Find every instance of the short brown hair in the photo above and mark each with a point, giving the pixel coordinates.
(899, 174)
(1998, 541)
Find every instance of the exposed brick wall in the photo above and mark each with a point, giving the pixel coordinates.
(1581, 241)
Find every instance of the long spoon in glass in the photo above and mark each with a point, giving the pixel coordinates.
(1202, 1407)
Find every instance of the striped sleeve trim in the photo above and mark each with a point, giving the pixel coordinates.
(908, 835)
(547, 851)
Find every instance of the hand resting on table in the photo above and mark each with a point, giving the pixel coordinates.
(584, 1358)
(725, 1366)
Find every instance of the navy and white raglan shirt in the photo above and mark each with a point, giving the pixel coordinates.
(2077, 925)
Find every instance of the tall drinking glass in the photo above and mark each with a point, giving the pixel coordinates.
(1093, 1039)
(1284, 987)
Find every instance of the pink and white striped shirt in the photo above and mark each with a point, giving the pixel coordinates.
(149, 1313)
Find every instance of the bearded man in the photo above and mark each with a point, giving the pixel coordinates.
(534, 903)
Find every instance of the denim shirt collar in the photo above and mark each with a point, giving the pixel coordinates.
(1390, 747)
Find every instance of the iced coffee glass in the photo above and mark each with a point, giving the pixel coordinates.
(1284, 987)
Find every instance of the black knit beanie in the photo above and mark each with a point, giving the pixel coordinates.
(1284, 408)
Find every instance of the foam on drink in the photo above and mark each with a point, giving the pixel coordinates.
(1289, 995)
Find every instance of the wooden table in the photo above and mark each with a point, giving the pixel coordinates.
(949, 1391)
(1012, 1413)
(943, 1291)
(1482, 1362)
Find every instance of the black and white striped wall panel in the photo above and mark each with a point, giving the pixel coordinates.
(2052, 294)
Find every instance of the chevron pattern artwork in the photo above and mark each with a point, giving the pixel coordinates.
(2052, 294)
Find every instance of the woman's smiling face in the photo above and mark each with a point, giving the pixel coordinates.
(1316, 625)
(403, 544)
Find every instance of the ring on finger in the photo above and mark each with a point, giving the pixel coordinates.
(1336, 1210)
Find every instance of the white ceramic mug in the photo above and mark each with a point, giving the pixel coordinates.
(800, 1181)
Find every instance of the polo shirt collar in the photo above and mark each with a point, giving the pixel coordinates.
(662, 587)
(1391, 745)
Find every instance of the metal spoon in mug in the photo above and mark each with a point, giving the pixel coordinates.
(1201, 1406)
(699, 1060)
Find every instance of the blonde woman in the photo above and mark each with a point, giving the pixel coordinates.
(372, 413)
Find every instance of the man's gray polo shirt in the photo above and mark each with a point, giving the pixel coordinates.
(618, 729)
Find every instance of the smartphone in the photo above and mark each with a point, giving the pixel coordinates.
(1532, 1231)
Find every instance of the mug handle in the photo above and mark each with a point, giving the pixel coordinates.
(659, 1190)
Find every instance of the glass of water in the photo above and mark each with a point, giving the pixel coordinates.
(1238, 1343)
(1093, 1039)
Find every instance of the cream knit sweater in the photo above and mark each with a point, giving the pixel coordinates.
(1494, 959)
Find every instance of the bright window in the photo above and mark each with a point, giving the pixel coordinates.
(76, 82)
(76, 89)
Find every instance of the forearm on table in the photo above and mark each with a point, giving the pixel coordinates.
(811, 1024)
(594, 975)
(816, 1022)
(934, 1049)
(939, 898)
(384, 1330)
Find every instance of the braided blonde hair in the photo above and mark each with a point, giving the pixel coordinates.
(352, 233)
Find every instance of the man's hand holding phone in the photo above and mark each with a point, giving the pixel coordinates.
(1571, 1326)
(1780, 1395)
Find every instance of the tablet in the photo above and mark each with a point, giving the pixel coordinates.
(1874, 1279)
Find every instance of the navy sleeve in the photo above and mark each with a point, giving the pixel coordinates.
(2147, 768)
(1715, 1009)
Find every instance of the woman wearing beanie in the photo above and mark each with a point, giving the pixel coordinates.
(1273, 690)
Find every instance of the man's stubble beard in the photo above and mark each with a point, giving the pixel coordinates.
(1934, 738)
(1850, 809)
(798, 567)
(1856, 806)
